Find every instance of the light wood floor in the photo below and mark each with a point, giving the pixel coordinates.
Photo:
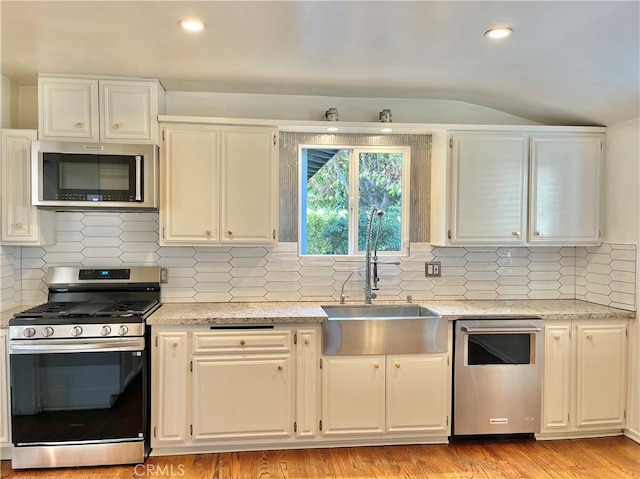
(604, 458)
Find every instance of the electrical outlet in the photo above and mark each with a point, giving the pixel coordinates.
(164, 275)
(433, 269)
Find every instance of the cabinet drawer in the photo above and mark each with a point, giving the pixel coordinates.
(242, 342)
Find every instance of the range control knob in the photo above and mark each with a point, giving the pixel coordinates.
(48, 331)
(76, 331)
(105, 330)
(28, 332)
(122, 330)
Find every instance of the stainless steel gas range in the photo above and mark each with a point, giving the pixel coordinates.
(80, 369)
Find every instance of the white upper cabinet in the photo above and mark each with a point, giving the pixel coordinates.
(96, 110)
(248, 185)
(516, 188)
(129, 111)
(566, 180)
(219, 185)
(489, 188)
(22, 224)
(68, 109)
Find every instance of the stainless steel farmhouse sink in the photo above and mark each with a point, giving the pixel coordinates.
(383, 329)
(404, 311)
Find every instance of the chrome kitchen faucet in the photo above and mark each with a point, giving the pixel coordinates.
(370, 261)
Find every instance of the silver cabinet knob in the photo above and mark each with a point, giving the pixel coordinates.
(229, 232)
(306, 341)
(116, 126)
(242, 342)
(19, 226)
(556, 337)
(76, 331)
(79, 124)
(397, 365)
(48, 331)
(105, 330)
(122, 330)
(376, 366)
(589, 337)
(28, 332)
(537, 233)
(280, 368)
(516, 234)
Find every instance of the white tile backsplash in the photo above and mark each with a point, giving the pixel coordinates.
(605, 275)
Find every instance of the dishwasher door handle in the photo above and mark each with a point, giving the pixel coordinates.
(531, 329)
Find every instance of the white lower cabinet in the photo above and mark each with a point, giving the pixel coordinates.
(585, 377)
(353, 389)
(237, 389)
(418, 394)
(223, 387)
(243, 397)
(374, 395)
(169, 379)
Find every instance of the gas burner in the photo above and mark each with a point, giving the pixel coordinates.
(50, 309)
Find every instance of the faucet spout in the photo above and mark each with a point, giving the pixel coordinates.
(369, 293)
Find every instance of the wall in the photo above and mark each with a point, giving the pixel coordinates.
(622, 215)
(10, 277)
(312, 108)
(8, 103)
(277, 274)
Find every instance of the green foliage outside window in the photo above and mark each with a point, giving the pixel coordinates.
(379, 184)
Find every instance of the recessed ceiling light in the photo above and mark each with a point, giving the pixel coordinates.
(332, 128)
(192, 24)
(498, 32)
(386, 130)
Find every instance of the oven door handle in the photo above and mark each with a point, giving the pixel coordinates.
(531, 329)
(76, 346)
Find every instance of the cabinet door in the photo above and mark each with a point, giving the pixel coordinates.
(248, 185)
(601, 375)
(566, 189)
(169, 389)
(189, 179)
(353, 395)
(5, 416)
(308, 383)
(129, 111)
(68, 109)
(556, 385)
(242, 397)
(21, 222)
(417, 394)
(489, 188)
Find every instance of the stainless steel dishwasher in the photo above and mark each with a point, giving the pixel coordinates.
(497, 383)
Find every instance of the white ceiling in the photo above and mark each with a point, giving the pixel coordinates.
(575, 62)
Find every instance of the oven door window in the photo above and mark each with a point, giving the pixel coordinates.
(498, 349)
(77, 396)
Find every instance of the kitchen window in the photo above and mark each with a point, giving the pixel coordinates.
(339, 185)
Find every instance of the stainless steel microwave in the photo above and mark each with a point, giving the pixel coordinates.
(81, 175)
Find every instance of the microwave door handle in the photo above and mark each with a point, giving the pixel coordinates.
(138, 178)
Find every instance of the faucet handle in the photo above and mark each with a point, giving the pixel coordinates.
(343, 297)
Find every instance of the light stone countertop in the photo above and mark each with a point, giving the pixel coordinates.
(6, 315)
(311, 312)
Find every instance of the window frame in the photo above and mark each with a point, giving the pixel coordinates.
(353, 207)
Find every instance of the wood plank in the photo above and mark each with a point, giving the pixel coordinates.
(602, 458)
